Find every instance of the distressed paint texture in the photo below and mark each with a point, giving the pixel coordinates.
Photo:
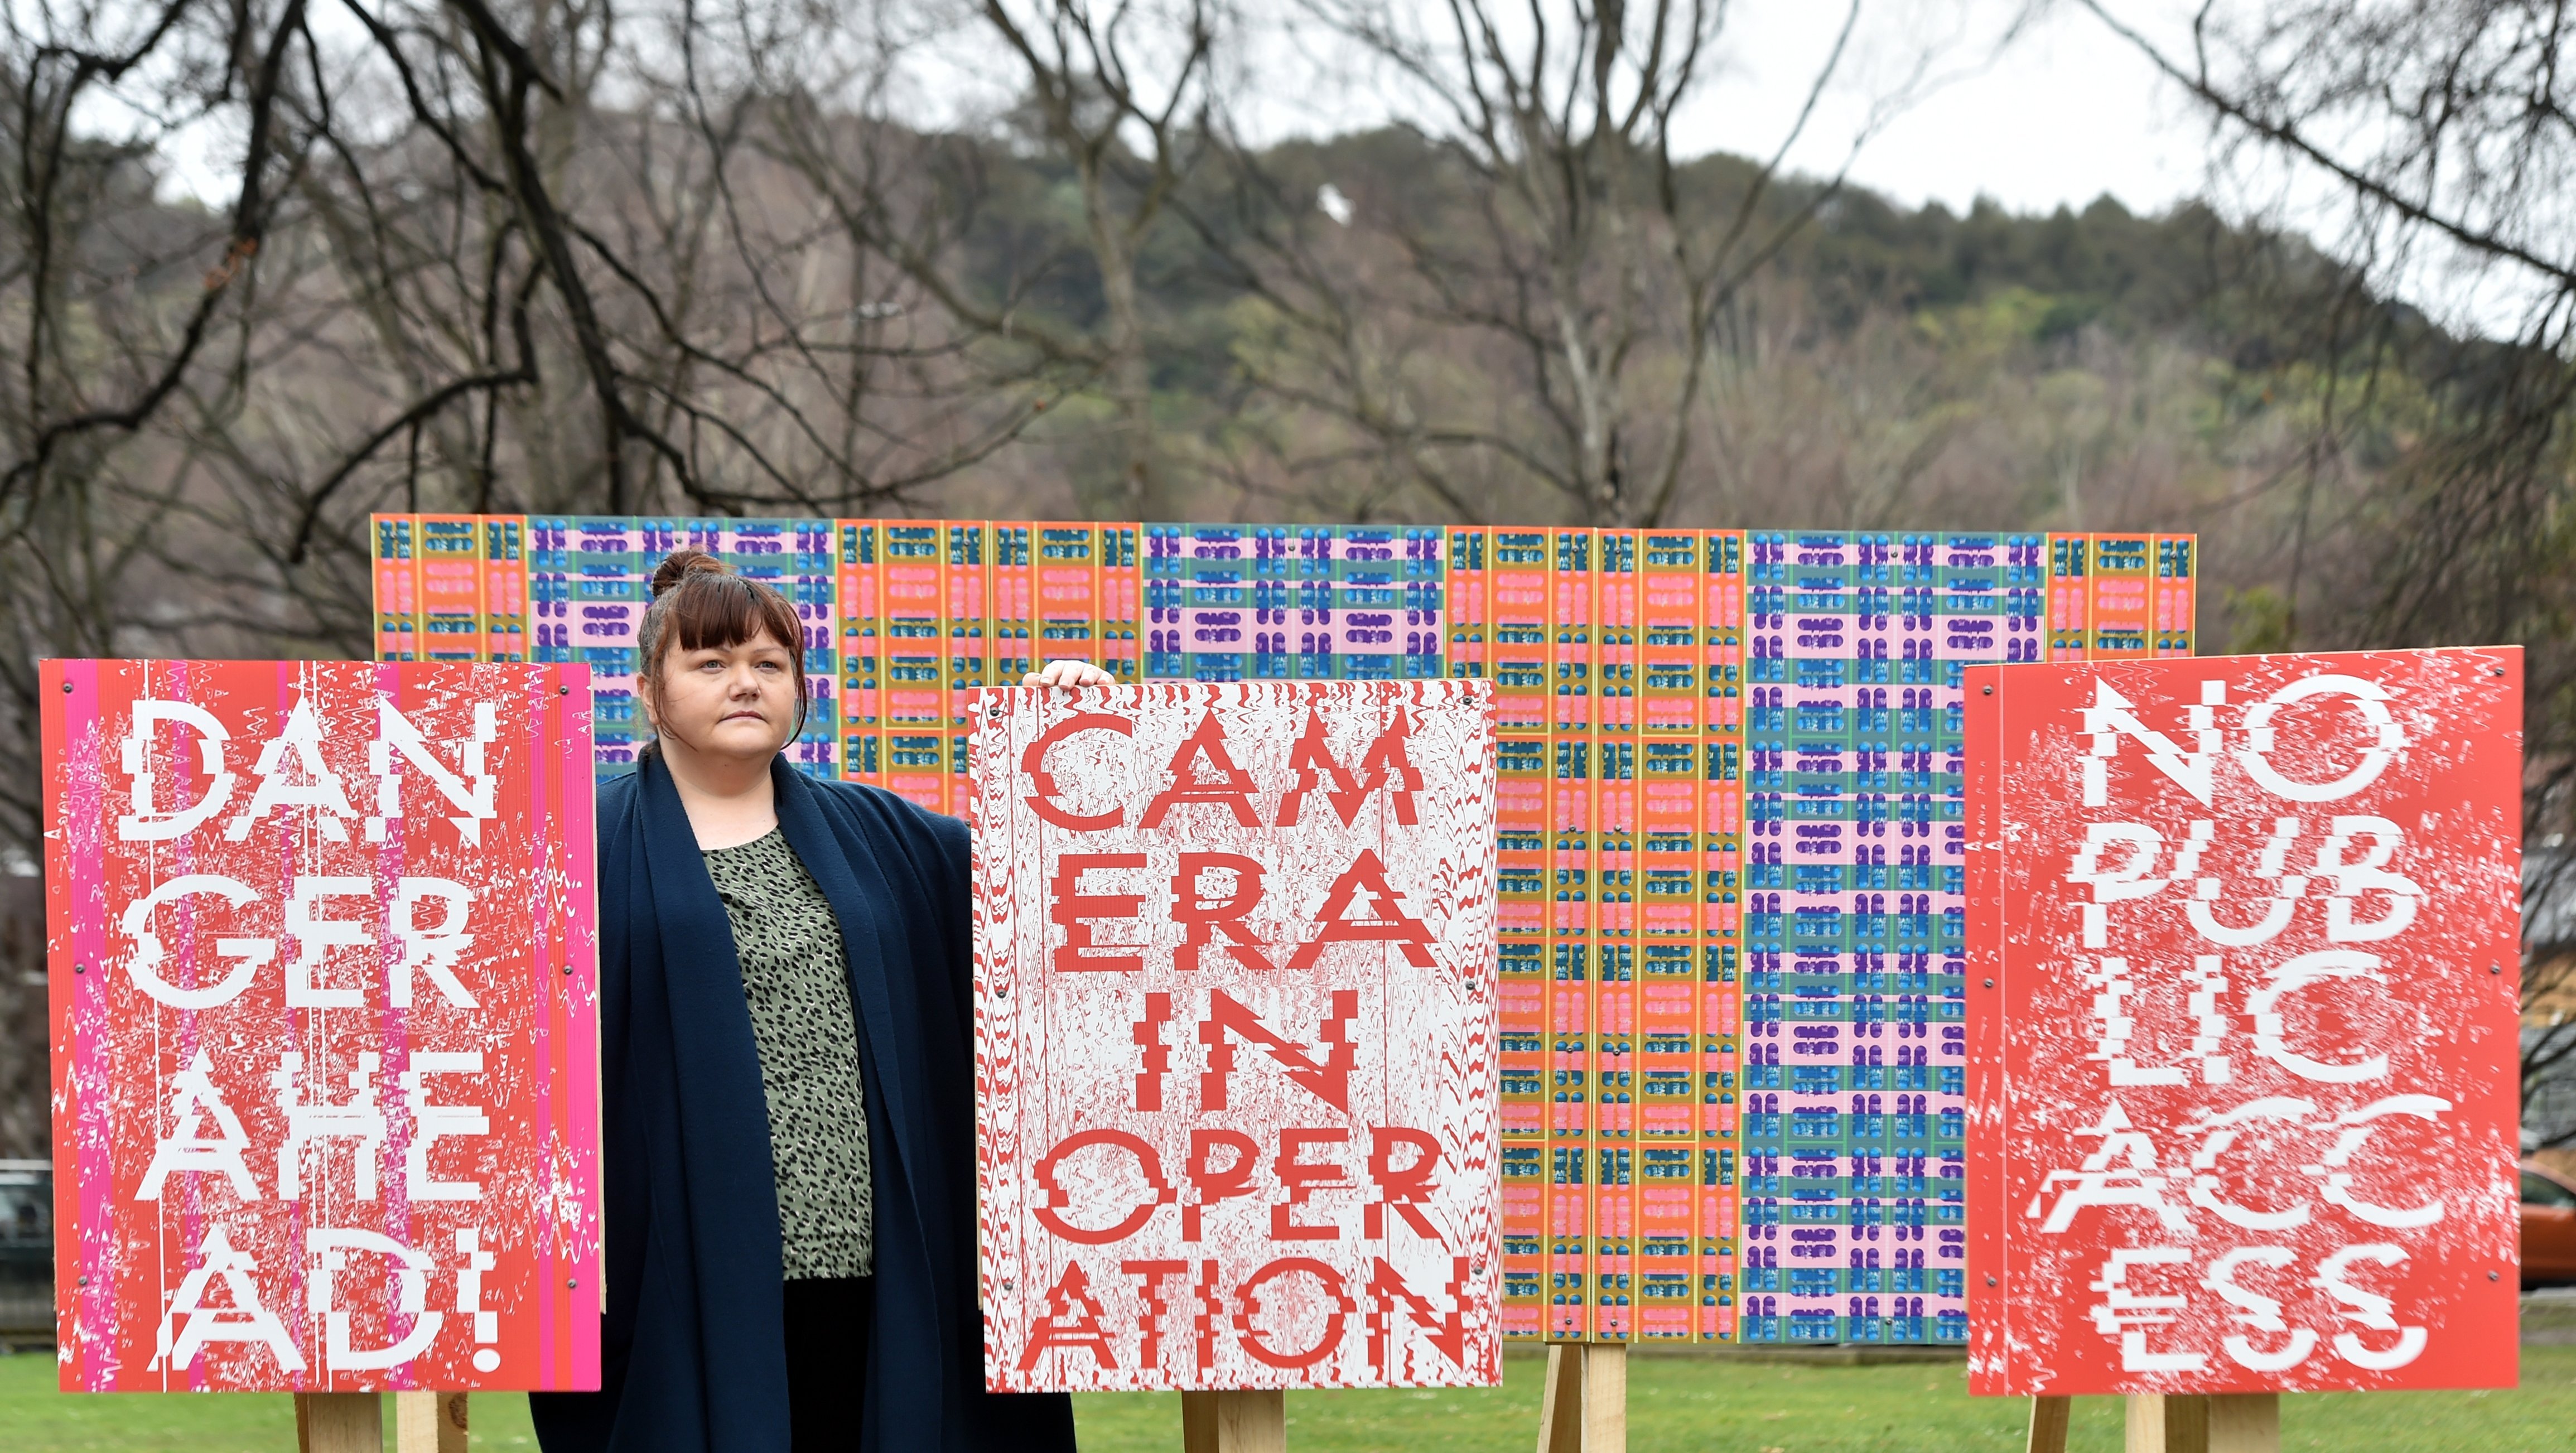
(2244, 938)
(324, 985)
(1235, 1018)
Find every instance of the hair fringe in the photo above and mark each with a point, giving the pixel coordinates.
(700, 602)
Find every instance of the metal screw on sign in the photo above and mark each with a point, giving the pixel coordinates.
(1990, 691)
(572, 1282)
(1990, 983)
(2495, 1276)
(2499, 670)
(84, 1281)
(67, 688)
(1006, 1284)
(2495, 968)
(1990, 1281)
(80, 968)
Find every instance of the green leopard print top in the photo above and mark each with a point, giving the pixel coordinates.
(797, 980)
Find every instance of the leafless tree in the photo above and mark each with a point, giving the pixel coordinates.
(1598, 260)
(555, 258)
(1103, 80)
(468, 255)
(2449, 134)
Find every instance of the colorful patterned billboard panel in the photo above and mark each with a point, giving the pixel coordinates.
(1728, 821)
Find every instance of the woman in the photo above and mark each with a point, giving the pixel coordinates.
(789, 1127)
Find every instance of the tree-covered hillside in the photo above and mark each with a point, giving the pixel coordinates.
(1874, 367)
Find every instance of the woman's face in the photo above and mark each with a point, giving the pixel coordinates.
(728, 701)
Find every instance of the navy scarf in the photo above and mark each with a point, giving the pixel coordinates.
(693, 1354)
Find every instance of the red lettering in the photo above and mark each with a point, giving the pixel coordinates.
(1149, 1278)
(1248, 1306)
(1041, 800)
(1071, 907)
(1212, 1183)
(1301, 1180)
(1148, 1032)
(1233, 787)
(1147, 1162)
(1385, 763)
(1448, 1332)
(1204, 1325)
(1366, 874)
(1222, 920)
(1327, 1076)
(1072, 1320)
(1402, 1187)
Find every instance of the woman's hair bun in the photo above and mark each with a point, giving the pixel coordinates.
(679, 565)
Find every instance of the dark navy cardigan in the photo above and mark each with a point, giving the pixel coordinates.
(693, 1356)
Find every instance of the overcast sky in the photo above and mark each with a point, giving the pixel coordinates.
(2067, 112)
(2064, 113)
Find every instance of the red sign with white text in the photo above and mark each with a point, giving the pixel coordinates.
(1235, 1019)
(2244, 948)
(324, 1037)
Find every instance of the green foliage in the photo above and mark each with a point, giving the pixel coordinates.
(1887, 368)
(2258, 621)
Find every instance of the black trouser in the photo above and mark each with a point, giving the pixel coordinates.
(827, 1360)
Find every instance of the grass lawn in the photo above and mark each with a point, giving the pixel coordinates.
(1676, 1405)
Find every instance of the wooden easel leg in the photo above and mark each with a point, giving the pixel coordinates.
(429, 1422)
(2048, 1417)
(1198, 1422)
(2245, 1422)
(339, 1422)
(1605, 1397)
(1234, 1422)
(2168, 1423)
(1560, 1403)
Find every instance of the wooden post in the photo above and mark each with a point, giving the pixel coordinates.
(2245, 1422)
(1234, 1422)
(1560, 1403)
(1605, 1397)
(2168, 1423)
(1584, 1407)
(429, 1422)
(339, 1422)
(2048, 1424)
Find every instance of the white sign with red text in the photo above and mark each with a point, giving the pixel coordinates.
(1235, 1020)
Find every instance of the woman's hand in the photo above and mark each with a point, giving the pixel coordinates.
(1068, 674)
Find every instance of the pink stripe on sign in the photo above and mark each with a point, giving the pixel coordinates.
(579, 839)
(283, 686)
(192, 1219)
(393, 1042)
(84, 764)
(542, 996)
